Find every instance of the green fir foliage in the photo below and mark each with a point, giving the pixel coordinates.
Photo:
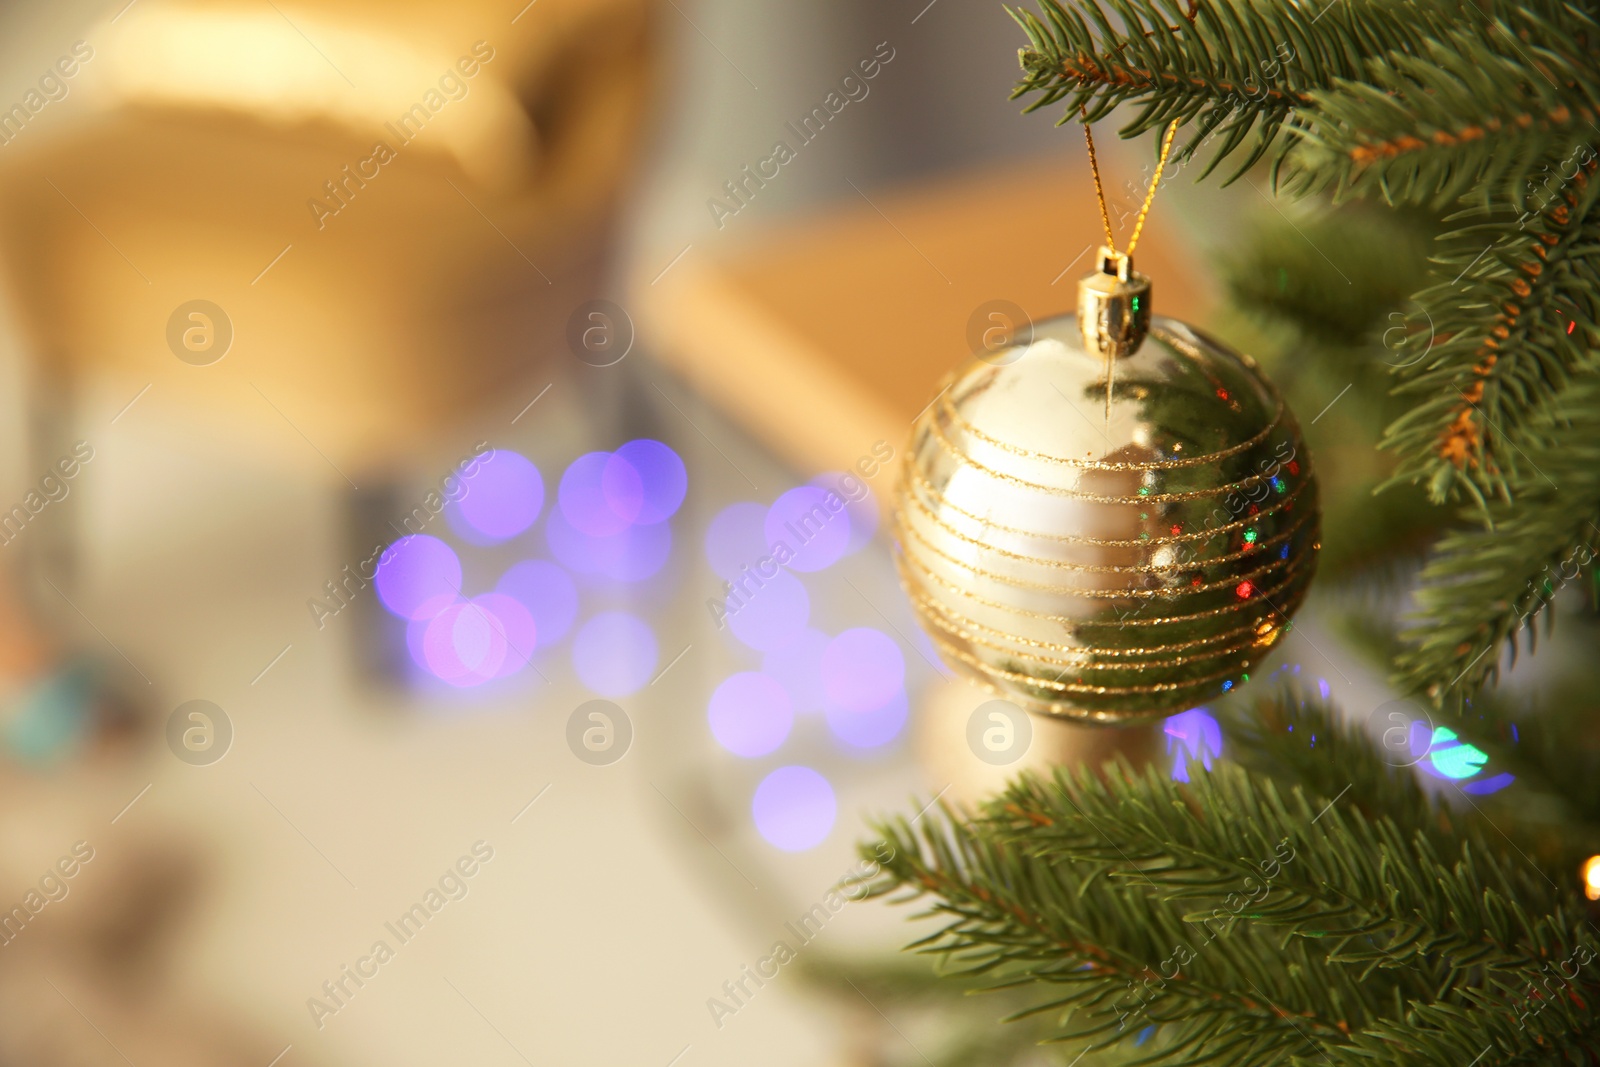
(1253, 921)
(1313, 899)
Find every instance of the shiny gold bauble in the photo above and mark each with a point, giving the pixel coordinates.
(1107, 537)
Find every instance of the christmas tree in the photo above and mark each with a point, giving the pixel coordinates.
(1315, 898)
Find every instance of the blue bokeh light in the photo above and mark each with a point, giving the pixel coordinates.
(771, 616)
(548, 593)
(794, 808)
(812, 523)
(797, 666)
(862, 511)
(462, 645)
(1452, 757)
(631, 554)
(515, 624)
(583, 500)
(870, 729)
(735, 539)
(750, 714)
(615, 654)
(1193, 735)
(418, 576)
(502, 498)
(862, 670)
(644, 481)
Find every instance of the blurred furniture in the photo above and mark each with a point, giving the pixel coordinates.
(394, 208)
(823, 335)
(196, 141)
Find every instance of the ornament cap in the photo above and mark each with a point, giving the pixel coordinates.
(1114, 307)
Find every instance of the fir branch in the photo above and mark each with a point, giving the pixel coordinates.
(1338, 278)
(900, 987)
(1297, 738)
(1527, 324)
(1551, 744)
(1547, 1020)
(1112, 961)
(1077, 882)
(1484, 589)
(1465, 114)
(1410, 104)
(1239, 70)
(1552, 749)
(1385, 898)
(1398, 930)
(1384, 939)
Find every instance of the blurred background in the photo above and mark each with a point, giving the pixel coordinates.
(399, 400)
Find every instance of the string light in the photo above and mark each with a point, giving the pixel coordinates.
(1591, 878)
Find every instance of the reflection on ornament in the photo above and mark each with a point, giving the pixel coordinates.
(1112, 522)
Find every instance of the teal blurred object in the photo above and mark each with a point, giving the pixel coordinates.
(51, 720)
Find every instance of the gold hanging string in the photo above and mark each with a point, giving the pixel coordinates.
(1094, 168)
(1150, 194)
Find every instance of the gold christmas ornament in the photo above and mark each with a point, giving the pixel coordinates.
(1112, 519)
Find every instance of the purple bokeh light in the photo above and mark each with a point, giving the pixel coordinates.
(870, 729)
(582, 496)
(862, 511)
(1192, 735)
(463, 645)
(797, 666)
(548, 594)
(814, 525)
(735, 538)
(771, 616)
(862, 670)
(418, 576)
(503, 498)
(622, 487)
(644, 481)
(1485, 786)
(794, 808)
(615, 653)
(750, 714)
(516, 626)
(632, 554)
(415, 630)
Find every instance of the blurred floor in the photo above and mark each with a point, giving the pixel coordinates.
(594, 934)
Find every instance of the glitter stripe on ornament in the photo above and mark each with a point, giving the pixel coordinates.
(964, 593)
(925, 491)
(947, 408)
(935, 433)
(939, 615)
(1250, 549)
(1089, 658)
(1090, 593)
(1058, 686)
